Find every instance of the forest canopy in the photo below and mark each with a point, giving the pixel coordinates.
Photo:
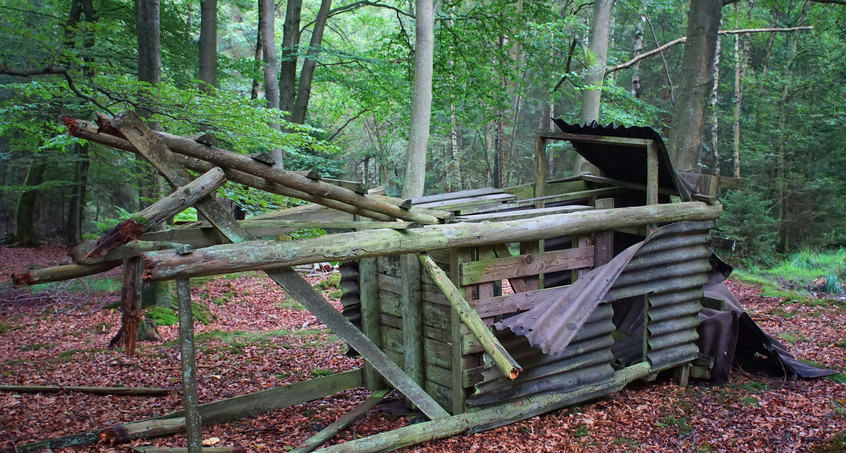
(341, 74)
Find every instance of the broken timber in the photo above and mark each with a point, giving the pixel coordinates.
(165, 264)
(151, 146)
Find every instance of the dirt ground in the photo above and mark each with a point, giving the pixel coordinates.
(257, 338)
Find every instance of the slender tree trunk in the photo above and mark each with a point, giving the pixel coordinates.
(208, 44)
(421, 103)
(73, 230)
(257, 82)
(637, 49)
(288, 58)
(298, 114)
(715, 120)
(267, 17)
(25, 234)
(697, 79)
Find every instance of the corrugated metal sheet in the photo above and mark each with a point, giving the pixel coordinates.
(350, 297)
(624, 162)
(669, 268)
(587, 361)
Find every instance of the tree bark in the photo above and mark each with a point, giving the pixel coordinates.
(714, 113)
(598, 56)
(76, 208)
(208, 44)
(288, 58)
(421, 102)
(25, 234)
(298, 114)
(697, 79)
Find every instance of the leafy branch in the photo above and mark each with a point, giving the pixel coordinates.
(52, 70)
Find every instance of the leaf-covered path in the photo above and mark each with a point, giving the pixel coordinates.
(257, 338)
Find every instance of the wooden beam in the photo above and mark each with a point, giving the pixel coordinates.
(149, 218)
(487, 418)
(412, 317)
(369, 294)
(340, 424)
(652, 173)
(501, 358)
(166, 264)
(600, 139)
(160, 156)
(59, 273)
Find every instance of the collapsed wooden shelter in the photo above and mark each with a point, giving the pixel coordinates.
(605, 274)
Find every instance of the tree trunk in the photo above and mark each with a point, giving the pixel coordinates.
(697, 78)
(715, 118)
(298, 113)
(267, 17)
(288, 59)
(25, 234)
(421, 102)
(598, 56)
(73, 230)
(637, 49)
(257, 84)
(208, 44)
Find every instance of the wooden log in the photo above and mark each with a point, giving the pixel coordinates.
(59, 273)
(164, 265)
(288, 179)
(341, 423)
(412, 317)
(369, 295)
(501, 358)
(160, 156)
(230, 409)
(487, 418)
(87, 131)
(190, 400)
(147, 219)
(124, 433)
(125, 251)
(119, 391)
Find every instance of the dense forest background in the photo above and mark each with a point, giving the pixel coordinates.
(328, 87)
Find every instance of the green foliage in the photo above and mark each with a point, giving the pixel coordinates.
(746, 219)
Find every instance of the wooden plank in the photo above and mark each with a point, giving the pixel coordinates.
(512, 303)
(603, 246)
(525, 265)
(455, 195)
(502, 359)
(456, 358)
(412, 317)
(141, 137)
(370, 320)
(523, 213)
(570, 196)
(451, 205)
(652, 173)
(341, 423)
(626, 184)
(599, 139)
(584, 242)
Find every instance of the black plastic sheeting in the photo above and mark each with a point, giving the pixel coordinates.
(731, 337)
(622, 161)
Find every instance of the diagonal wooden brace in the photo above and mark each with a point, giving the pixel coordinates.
(151, 147)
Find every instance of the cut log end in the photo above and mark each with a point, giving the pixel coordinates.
(514, 373)
(104, 124)
(71, 123)
(117, 434)
(22, 279)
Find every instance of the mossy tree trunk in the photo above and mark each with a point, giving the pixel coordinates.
(25, 234)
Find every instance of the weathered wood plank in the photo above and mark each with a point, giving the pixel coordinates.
(455, 195)
(503, 360)
(522, 213)
(525, 265)
(190, 400)
(512, 303)
(369, 296)
(412, 317)
(451, 205)
(59, 273)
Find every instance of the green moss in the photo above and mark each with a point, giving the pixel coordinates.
(321, 372)
(36, 346)
(836, 444)
(333, 281)
(162, 316)
(8, 326)
(680, 423)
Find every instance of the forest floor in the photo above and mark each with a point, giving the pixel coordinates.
(258, 338)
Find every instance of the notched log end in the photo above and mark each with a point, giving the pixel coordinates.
(123, 233)
(71, 123)
(22, 279)
(514, 373)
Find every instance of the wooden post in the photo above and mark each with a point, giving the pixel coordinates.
(456, 359)
(652, 173)
(540, 169)
(603, 241)
(501, 358)
(412, 317)
(190, 399)
(370, 322)
(130, 302)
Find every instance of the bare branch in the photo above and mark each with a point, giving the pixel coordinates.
(52, 70)
(674, 42)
